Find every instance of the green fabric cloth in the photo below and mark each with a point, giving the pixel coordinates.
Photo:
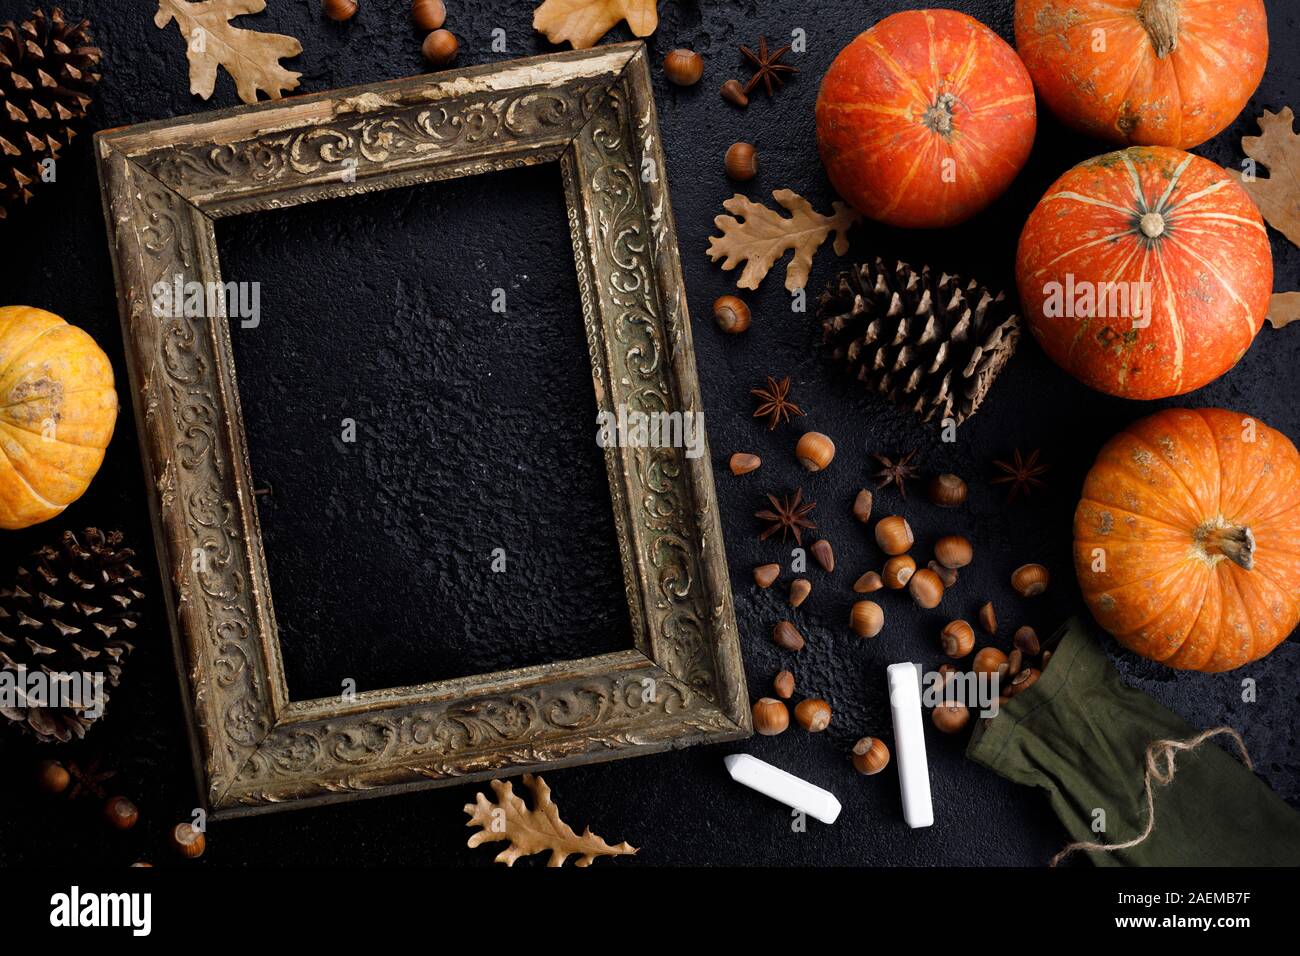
(1082, 736)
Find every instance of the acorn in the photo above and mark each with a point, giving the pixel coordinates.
(683, 67)
(926, 588)
(188, 841)
(898, 571)
(867, 619)
(742, 463)
(814, 451)
(741, 162)
(953, 551)
(947, 491)
(870, 756)
(731, 313)
(894, 535)
(1030, 579)
(440, 47)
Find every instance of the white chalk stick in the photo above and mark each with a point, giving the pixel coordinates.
(783, 787)
(909, 742)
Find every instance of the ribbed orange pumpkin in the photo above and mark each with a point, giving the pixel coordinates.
(57, 410)
(925, 119)
(1146, 272)
(1187, 539)
(1149, 72)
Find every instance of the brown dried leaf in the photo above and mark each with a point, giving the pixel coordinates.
(765, 236)
(1278, 151)
(252, 58)
(536, 830)
(1283, 309)
(583, 22)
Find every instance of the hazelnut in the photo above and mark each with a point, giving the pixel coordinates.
(339, 10)
(800, 588)
(52, 776)
(742, 463)
(440, 47)
(1015, 660)
(766, 574)
(733, 91)
(988, 618)
(1026, 641)
(988, 660)
(1047, 656)
(870, 755)
(869, 583)
(947, 575)
(787, 637)
(771, 716)
(814, 451)
(741, 162)
(898, 571)
(428, 14)
(946, 675)
(683, 67)
(813, 714)
(862, 506)
(958, 639)
(947, 491)
(1026, 679)
(926, 588)
(121, 813)
(953, 551)
(866, 618)
(894, 535)
(950, 717)
(783, 684)
(731, 313)
(188, 841)
(1030, 579)
(823, 554)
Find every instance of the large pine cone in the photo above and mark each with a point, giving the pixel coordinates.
(47, 70)
(932, 345)
(71, 610)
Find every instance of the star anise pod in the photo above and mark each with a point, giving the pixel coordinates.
(788, 514)
(896, 473)
(768, 69)
(89, 779)
(1021, 473)
(774, 403)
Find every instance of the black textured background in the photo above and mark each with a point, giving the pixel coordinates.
(474, 431)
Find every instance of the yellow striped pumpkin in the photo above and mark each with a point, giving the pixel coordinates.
(57, 411)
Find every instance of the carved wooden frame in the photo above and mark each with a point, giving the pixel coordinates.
(165, 183)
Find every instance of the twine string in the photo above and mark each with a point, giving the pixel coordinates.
(1158, 752)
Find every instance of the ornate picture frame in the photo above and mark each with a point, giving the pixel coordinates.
(165, 183)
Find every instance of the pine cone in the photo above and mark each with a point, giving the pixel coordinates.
(70, 611)
(933, 346)
(46, 74)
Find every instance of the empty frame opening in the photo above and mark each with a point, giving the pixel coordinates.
(417, 399)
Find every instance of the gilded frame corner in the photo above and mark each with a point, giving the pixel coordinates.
(165, 183)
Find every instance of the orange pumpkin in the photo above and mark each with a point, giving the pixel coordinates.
(925, 119)
(1150, 72)
(57, 410)
(1145, 273)
(1187, 539)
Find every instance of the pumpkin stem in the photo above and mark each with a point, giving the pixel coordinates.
(1160, 19)
(1152, 225)
(939, 116)
(1235, 542)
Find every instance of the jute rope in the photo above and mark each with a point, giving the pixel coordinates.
(1158, 752)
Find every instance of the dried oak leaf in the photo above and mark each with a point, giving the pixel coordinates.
(765, 236)
(583, 22)
(536, 830)
(1278, 150)
(250, 57)
(1283, 309)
